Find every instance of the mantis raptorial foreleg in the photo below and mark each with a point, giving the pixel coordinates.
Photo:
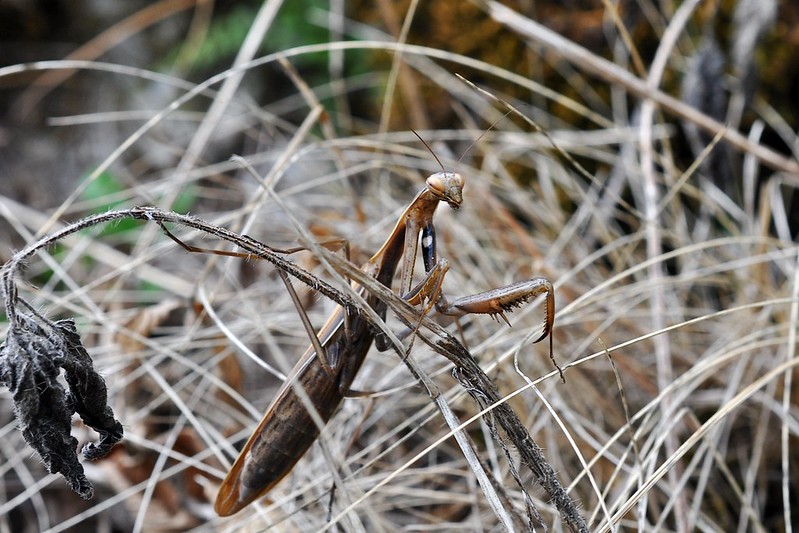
(494, 302)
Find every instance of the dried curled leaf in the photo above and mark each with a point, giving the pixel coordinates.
(31, 360)
(88, 394)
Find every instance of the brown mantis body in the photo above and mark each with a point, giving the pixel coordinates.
(287, 429)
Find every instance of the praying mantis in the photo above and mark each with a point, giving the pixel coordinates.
(326, 370)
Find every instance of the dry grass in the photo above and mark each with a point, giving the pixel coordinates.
(677, 301)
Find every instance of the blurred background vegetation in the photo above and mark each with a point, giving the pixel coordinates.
(194, 39)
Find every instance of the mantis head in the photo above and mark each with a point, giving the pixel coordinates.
(447, 187)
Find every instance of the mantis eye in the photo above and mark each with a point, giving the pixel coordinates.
(447, 187)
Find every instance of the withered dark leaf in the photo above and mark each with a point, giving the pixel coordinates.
(88, 394)
(30, 363)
